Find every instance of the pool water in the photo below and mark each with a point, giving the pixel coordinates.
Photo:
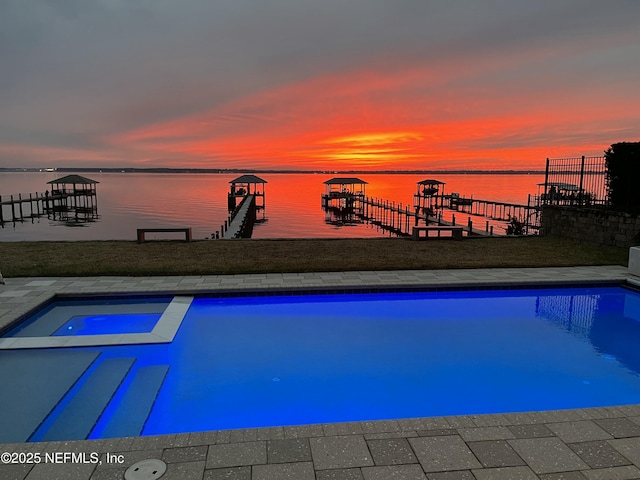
(289, 360)
(71, 317)
(108, 324)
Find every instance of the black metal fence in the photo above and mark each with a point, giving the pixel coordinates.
(579, 181)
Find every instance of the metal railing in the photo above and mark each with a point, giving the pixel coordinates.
(578, 181)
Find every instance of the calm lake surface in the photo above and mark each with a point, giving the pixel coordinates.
(127, 201)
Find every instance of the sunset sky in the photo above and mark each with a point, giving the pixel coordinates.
(322, 84)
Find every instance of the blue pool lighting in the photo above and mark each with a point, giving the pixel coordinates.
(108, 324)
(244, 362)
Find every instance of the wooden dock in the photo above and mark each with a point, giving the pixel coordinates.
(72, 199)
(345, 203)
(389, 216)
(33, 205)
(58, 206)
(398, 219)
(21, 208)
(249, 191)
(527, 215)
(240, 222)
(503, 211)
(401, 219)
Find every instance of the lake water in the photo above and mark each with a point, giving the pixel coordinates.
(127, 201)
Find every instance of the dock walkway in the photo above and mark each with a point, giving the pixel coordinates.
(238, 225)
(22, 207)
(401, 220)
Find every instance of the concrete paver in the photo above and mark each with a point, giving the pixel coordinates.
(444, 453)
(495, 453)
(619, 427)
(547, 455)
(236, 473)
(284, 471)
(289, 450)
(340, 452)
(582, 431)
(391, 451)
(505, 473)
(599, 454)
(629, 448)
(615, 473)
(398, 472)
(457, 475)
(237, 454)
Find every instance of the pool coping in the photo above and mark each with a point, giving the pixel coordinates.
(599, 442)
(20, 297)
(164, 331)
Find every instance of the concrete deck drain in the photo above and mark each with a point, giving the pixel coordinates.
(149, 469)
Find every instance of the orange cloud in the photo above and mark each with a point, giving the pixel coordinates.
(447, 115)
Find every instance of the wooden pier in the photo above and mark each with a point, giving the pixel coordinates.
(345, 203)
(343, 200)
(527, 215)
(72, 199)
(22, 208)
(389, 216)
(503, 211)
(58, 206)
(400, 219)
(246, 204)
(241, 221)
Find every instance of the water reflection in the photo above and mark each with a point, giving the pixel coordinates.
(607, 318)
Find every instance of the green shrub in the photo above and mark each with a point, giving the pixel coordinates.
(515, 227)
(623, 176)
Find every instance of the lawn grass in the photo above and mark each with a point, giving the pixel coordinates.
(29, 259)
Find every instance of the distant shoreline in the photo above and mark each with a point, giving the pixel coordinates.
(267, 171)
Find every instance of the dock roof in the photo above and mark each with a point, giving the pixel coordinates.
(345, 181)
(248, 179)
(430, 182)
(73, 179)
(570, 187)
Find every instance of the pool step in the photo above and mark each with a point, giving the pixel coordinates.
(38, 379)
(134, 409)
(81, 413)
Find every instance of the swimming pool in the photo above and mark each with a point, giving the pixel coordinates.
(298, 359)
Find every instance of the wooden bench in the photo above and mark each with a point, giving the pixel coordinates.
(456, 232)
(143, 231)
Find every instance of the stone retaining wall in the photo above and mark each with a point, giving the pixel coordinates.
(593, 226)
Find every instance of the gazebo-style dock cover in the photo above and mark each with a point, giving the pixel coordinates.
(80, 184)
(247, 185)
(244, 182)
(344, 200)
(345, 185)
(75, 204)
(429, 186)
(426, 197)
